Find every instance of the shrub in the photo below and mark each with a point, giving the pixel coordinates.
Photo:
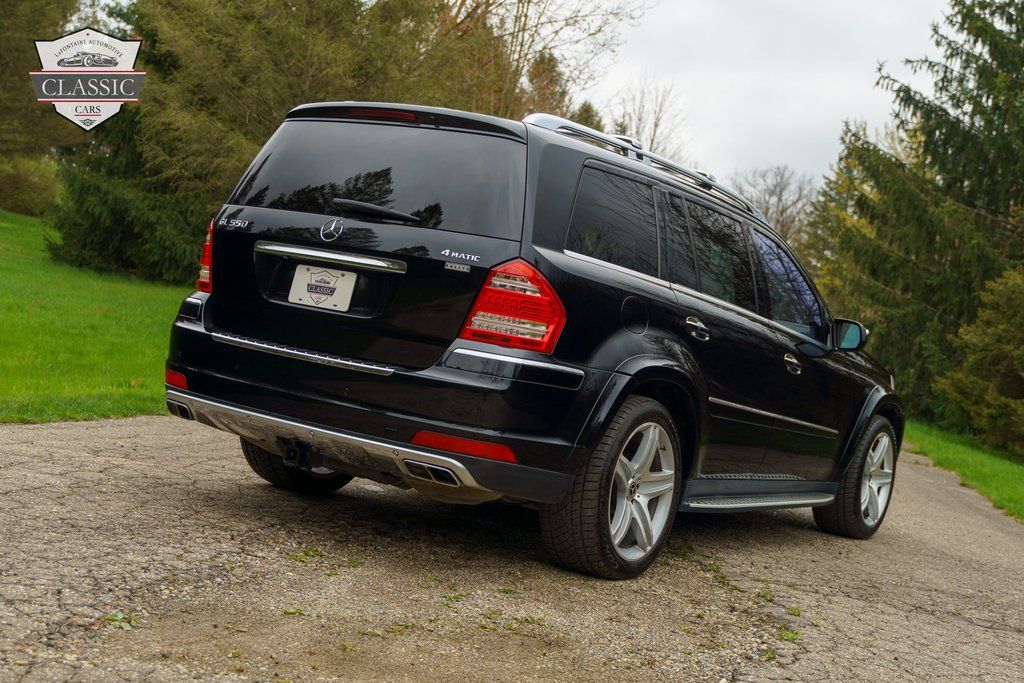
(28, 185)
(117, 224)
(986, 392)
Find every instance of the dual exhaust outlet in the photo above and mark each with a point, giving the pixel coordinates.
(433, 473)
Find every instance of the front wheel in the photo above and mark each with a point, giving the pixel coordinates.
(620, 511)
(866, 488)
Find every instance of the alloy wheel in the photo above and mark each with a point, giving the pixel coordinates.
(876, 481)
(640, 499)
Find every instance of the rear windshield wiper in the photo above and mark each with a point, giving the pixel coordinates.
(374, 210)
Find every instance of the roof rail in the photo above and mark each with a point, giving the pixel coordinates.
(632, 149)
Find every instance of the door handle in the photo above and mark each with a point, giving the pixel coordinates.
(698, 330)
(792, 364)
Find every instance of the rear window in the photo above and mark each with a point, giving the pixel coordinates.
(457, 181)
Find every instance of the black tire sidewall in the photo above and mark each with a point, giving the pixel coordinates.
(877, 426)
(648, 410)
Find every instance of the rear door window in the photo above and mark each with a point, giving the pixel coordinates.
(452, 180)
(723, 261)
(613, 220)
(791, 300)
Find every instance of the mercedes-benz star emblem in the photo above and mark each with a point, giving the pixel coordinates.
(331, 230)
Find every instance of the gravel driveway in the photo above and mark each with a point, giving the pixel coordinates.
(160, 523)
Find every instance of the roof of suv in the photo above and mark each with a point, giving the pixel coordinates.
(620, 146)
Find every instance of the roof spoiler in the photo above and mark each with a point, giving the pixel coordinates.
(409, 114)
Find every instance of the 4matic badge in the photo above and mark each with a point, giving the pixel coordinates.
(87, 75)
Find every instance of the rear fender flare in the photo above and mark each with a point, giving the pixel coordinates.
(638, 375)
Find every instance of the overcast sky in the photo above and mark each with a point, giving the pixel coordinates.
(764, 82)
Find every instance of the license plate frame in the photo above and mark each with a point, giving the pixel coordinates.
(327, 289)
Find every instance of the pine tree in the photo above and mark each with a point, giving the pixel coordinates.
(910, 227)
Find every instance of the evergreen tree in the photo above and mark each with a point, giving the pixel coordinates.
(910, 227)
(222, 75)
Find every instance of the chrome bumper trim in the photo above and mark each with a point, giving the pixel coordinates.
(340, 258)
(576, 372)
(359, 451)
(301, 354)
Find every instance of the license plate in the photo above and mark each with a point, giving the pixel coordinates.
(322, 287)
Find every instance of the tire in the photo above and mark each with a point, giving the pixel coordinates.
(271, 467)
(578, 531)
(849, 515)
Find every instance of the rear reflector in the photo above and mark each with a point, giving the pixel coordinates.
(517, 308)
(455, 444)
(205, 281)
(175, 379)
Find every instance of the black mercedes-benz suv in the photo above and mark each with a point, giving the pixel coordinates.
(535, 311)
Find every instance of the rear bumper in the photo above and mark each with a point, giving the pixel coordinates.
(448, 476)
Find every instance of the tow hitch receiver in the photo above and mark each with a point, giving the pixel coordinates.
(300, 455)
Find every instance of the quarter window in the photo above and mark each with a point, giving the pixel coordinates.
(613, 221)
(722, 257)
(791, 300)
(681, 267)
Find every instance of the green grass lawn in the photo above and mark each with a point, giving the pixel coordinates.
(1000, 478)
(75, 344)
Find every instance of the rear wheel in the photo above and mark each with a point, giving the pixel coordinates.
(619, 513)
(866, 489)
(271, 467)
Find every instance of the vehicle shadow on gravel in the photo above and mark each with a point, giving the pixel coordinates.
(385, 519)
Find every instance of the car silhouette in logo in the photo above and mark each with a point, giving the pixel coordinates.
(87, 59)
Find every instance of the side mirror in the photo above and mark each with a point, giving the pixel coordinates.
(850, 335)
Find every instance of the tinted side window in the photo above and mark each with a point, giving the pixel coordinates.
(681, 268)
(722, 258)
(791, 301)
(613, 220)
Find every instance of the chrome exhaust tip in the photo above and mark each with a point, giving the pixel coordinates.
(179, 409)
(433, 473)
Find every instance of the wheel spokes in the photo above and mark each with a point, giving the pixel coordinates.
(656, 484)
(872, 509)
(623, 472)
(881, 478)
(621, 521)
(643, 477)
(641, 522)
(645, 452)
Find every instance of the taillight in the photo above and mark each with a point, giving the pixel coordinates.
(516, 308)
(456, 444)
(205, 281)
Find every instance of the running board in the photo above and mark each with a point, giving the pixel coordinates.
(760, 502)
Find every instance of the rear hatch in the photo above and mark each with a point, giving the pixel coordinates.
(366, 232)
